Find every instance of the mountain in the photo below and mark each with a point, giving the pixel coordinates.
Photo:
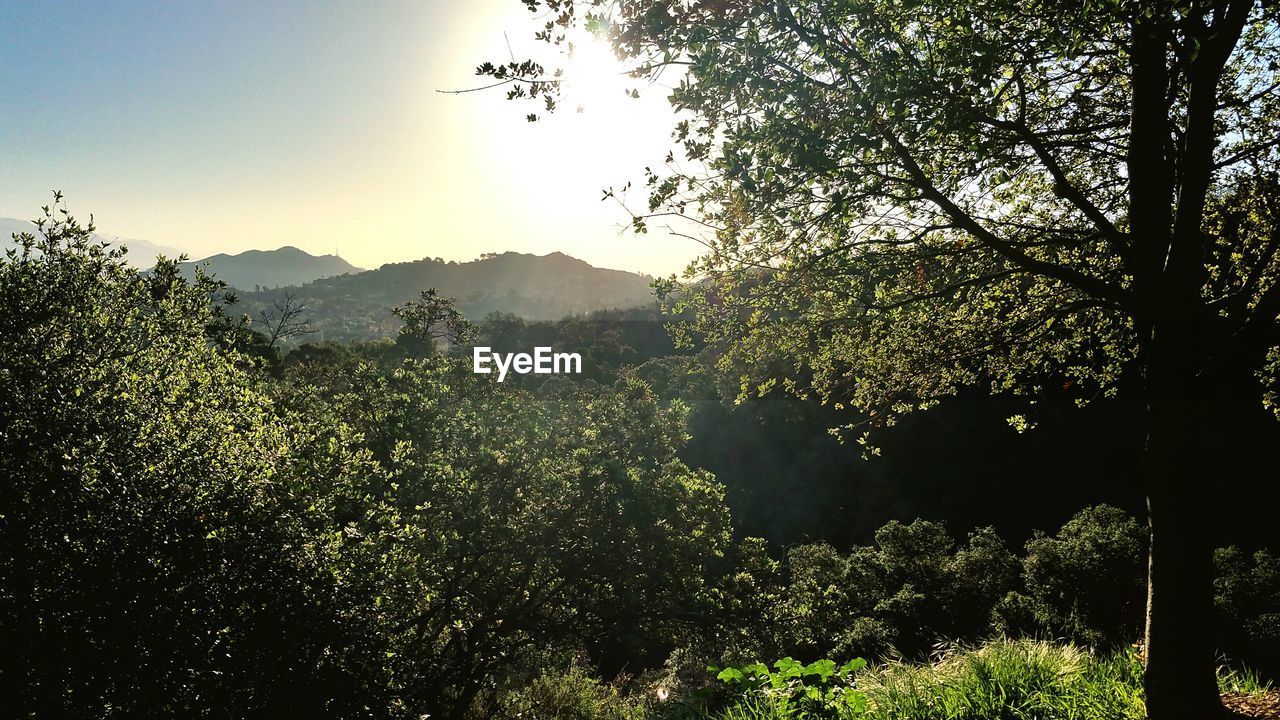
(534, 287)
(141, 253)
(287, 266)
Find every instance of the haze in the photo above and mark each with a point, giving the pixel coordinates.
(237, 125)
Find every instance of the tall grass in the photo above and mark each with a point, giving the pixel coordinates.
(1242, 681)
(1001, 680)
(1009, 680)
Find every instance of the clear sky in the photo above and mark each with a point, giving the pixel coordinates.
(224, 126)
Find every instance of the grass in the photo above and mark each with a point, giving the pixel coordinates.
(1000, 680)
(1010, 680)
(1242, 681)
(1007, 680)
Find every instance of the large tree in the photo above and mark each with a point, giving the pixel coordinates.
(165, 547)
(907, 196)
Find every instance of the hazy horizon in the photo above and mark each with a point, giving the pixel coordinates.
(171, 251)
(220, 130)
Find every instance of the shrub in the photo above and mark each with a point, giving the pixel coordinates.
(1247, 607)
(572, 695)
(1086, 583)
(911, 589)
(792, 689)
(165, 545)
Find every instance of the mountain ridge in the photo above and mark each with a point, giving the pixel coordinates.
(344, 302)
(140, 253)
(282, 267)
(534, 287)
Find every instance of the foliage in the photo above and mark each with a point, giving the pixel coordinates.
(1020, 680)
(367, 535)
(1085, 583)
(914, 589)
(923, 196)
(511, 521)
(903, 594)
(903, 199)
(164, 548)
(792, 689)
(363, 532)
(1242, 680)
(573, 695)
(431, 320)
(1247, 604)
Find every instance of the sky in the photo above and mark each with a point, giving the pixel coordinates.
(220, 127)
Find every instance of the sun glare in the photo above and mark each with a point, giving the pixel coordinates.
(593, 76)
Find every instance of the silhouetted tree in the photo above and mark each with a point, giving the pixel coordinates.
(284, 321)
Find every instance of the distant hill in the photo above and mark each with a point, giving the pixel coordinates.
(141, 253)
(534, 287)
(264, 269)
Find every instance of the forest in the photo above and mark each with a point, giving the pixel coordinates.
(966, 410)
(196, 525)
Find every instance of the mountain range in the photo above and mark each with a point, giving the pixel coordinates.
(140, 253)
(344, 302)
(535, 287)
(263, 269)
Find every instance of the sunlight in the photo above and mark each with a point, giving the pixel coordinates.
(593, 76)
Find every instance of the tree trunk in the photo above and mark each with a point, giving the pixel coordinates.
(1180, 679)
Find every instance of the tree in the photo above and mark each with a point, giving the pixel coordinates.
(904, 197)
(429, 320)
(1085, 582)
(514, 528)
(182, 535)
(284, 321)
(165, 549)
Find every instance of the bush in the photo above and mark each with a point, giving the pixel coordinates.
(555, 518)
(1247, 607)
(915, 589)
(573, 695)
(165, 549)
(1086, 583)
(185, 535)
(911, 589)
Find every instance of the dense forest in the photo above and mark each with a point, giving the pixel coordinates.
(195, 527)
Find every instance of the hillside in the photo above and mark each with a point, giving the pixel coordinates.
(286, 266)
(141, 253)
(545, 287)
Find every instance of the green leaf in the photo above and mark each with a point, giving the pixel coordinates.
(730, 675)
(822, 668)
(852, 666)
